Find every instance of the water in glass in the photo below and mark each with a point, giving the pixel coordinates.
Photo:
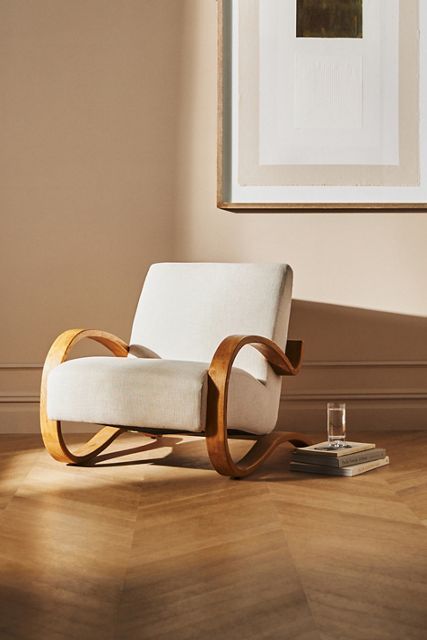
(336, 424)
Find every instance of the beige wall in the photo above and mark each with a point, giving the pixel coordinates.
(107, 163)
(88, 162)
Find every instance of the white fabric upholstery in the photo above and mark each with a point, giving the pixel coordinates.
(152, 393)
(184, 312)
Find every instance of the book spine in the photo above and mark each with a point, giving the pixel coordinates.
(343, 461)
(363, 456)
(314, 468)
(323, 449)
(355, 470)
(362, 468)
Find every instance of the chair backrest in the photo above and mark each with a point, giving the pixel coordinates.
(186, 309)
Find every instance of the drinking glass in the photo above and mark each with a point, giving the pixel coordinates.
(336, 424)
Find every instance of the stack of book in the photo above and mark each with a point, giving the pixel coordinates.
(352, 460)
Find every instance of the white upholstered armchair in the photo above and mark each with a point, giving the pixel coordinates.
(184, 370)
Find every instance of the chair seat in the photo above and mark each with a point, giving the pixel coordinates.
(153, 393)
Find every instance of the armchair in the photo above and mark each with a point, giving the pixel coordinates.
(177, 376)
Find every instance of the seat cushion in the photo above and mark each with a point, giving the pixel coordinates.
(152, 393)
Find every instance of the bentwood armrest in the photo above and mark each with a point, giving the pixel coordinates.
(284, 363)
(51, 429)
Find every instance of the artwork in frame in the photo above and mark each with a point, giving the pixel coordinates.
(329, 18)
(322, 105)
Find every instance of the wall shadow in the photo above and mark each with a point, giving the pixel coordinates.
(335, 332)
(375, 361)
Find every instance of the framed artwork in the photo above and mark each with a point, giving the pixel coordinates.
(322, 105)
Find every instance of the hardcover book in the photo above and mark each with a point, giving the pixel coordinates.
(324, 449)
(353, 470)
(339, 461)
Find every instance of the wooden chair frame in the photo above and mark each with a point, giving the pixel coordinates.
(283, 363)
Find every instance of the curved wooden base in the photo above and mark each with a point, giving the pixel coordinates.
(86, 453)
(259, 453)
(222, 461)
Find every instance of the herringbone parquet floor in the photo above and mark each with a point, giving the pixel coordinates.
(156, 546)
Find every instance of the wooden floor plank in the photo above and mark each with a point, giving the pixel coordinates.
(154, 545)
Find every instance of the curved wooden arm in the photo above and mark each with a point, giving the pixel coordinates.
(51, 429)
(283, 363)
